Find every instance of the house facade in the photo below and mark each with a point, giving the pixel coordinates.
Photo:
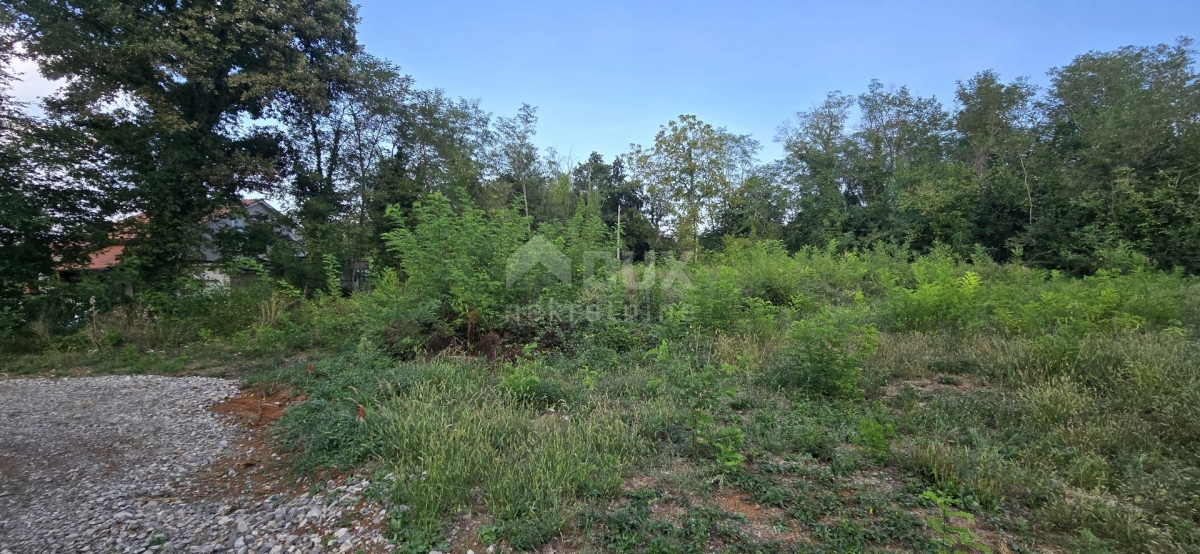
(209, 265)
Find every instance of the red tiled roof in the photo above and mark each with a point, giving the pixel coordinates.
(109, 256)
(106, 257)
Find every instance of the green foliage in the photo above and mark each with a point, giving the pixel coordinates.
(942, 299)
(953, 538)
(524, 384)
(333, 274)
(826, 354)
(728, 441)
(764, 269)
(1036, 354)
(694, 164)
(703, 391)
(529, 467)
(1103, 302)
(716, 302)
(875, 437)
(457, 258)
(200, 100)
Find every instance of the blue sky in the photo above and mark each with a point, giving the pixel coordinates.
(605, 74)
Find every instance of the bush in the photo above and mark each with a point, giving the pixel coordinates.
(826, 354)
(457, 258)
(524, 384)
(764, 268)
(717, 303)
(942, 299)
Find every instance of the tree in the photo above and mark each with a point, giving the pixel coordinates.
(898, 133)
(698, 165)
(591, 175)
(177, 96)
(816, 167)
(517, 164)
(846, 184)
(52, 206)
(757, 208)
(340, 150)
(996, 137)
(638, 165)
(621, 209)
(1123, 132)
(617, 200)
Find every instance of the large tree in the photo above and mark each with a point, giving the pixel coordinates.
(817, 148)
(996, 137)
(1123, 142)
(899, 136)
(52, 202)
(340, 149)
(179, 97)
(617, 200)
(519, 170)
(698, 166)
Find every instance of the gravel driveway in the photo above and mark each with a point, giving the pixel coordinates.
(127, 464)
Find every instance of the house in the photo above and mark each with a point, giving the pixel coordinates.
(254, 211)
(209, 265)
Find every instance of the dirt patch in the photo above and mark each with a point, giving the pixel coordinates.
(255, 408)
(936, 384)
(560, 545)
(253, 468)
(877, 481)
(762, 523)
(637, 482)
(464, 534)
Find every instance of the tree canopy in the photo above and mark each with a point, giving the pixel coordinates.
(175, 110)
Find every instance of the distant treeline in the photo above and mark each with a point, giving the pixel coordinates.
(176, 110)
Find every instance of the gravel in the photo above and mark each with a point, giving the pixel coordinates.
(118, 464)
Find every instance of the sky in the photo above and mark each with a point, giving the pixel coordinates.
(607, 74)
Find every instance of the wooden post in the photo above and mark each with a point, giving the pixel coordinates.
(618, 232)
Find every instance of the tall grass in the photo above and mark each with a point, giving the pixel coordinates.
(455, 445)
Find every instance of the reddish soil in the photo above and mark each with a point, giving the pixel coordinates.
(255, 408)
(760, 521)
(253, 469)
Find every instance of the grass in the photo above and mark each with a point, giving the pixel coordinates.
(455, 443)
(202, 359)
(1105, 445)
(1096, 455)
(853, 403)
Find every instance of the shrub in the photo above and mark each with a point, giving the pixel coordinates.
(826, 354)
(765, 269)
(942, 299)
(875, 437)
(525, 385)
(456, 257)
(717, 302)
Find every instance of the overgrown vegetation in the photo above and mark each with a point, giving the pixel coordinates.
(863, 400)
(931, 331)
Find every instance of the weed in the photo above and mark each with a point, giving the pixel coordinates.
(954, 538)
